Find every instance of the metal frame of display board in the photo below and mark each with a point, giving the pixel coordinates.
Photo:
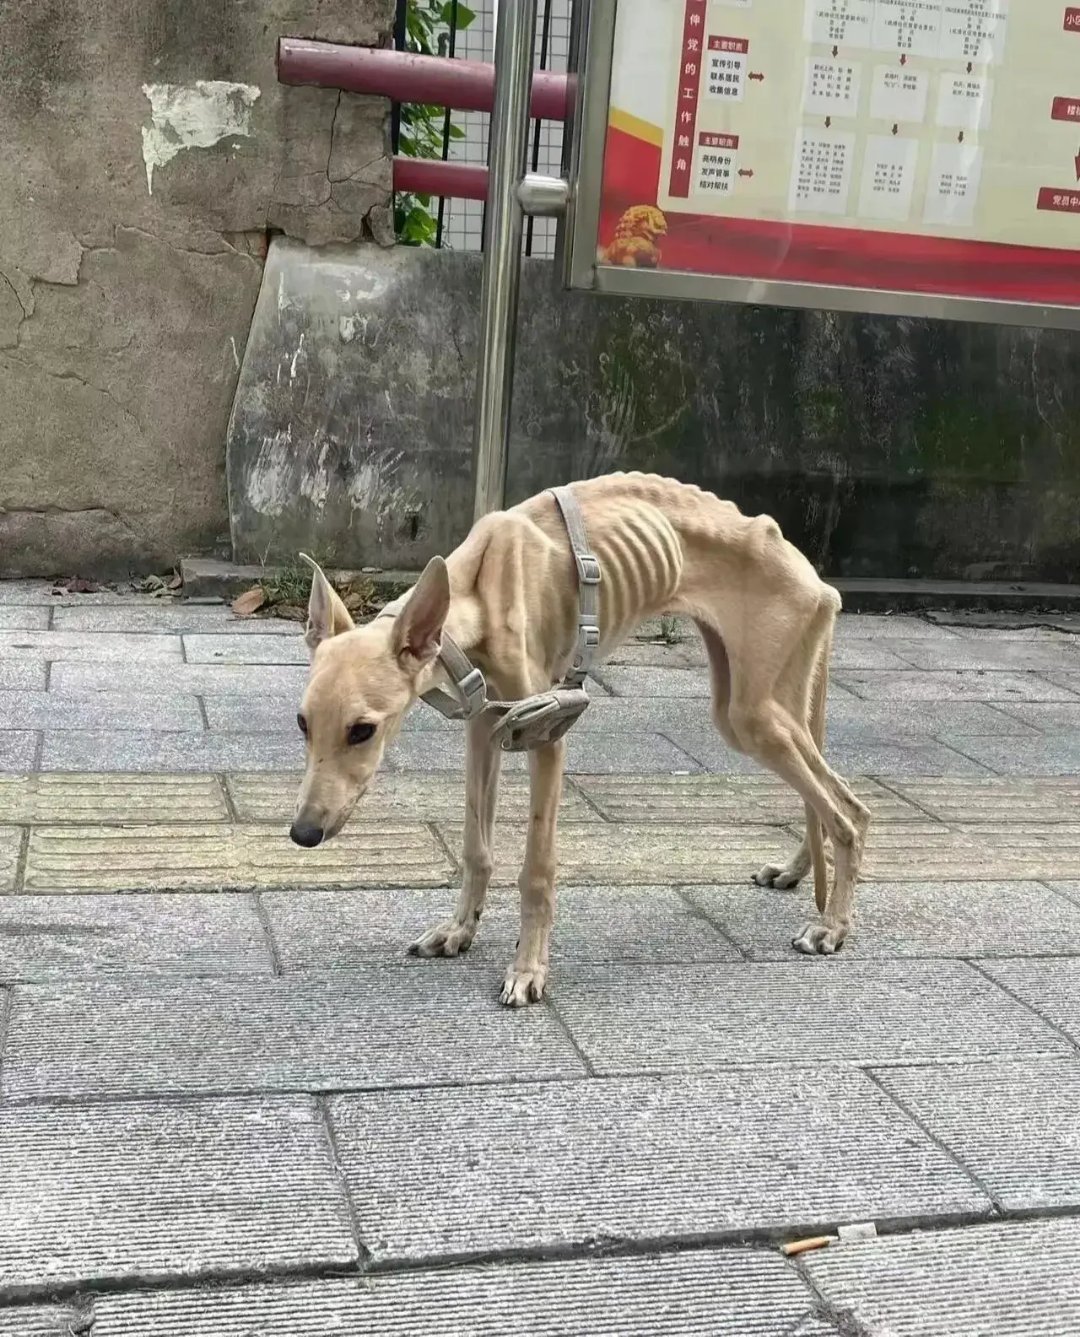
(591, 56)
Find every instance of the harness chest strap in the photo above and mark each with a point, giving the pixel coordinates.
(547, 715)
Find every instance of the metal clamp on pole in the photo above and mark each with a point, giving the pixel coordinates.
(507, 140)
(543, 196)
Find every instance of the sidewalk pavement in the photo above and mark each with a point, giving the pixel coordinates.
(230, 1104)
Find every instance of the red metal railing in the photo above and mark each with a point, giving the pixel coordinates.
(432, 176)
(402, 76)
(463, 85)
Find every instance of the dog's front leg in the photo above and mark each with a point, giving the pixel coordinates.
(482, 762)
(526, 978)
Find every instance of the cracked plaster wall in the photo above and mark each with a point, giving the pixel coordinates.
(124, 314)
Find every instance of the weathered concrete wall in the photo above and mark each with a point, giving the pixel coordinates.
(884, 447)
(147, 150)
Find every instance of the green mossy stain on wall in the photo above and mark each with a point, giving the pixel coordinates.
(644, 393)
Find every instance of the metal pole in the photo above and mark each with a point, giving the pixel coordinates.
(514, 33)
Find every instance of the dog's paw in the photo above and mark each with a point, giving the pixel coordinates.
(819, 940)
(446, 939)
(521, 987)
(782, 877)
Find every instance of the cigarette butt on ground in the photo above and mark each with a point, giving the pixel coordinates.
(794, 1247)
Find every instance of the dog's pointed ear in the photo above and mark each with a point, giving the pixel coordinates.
(326, 615)
(418, 627)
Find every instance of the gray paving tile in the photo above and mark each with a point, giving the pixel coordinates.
(23, 675)
(705, 748)
(97, 710)
(269, 648)
(991, 653)
(1052, 717)
(565, 1163)
(1023, 800)
(40, 1321)
(152, 1190)
(660, 1018)
(308, 1032)
(67, 936)
(872, 756)
(170, 618)
(1009, 1280)
(586, 753)
(1069, 682)
(1050, 988)
(219, 856)
(316, 930)
(23, 618)
(250, 682)
(641, 853)
(900, 919)
(1057, 755)
(646, 682)
(11, 841)
(25, 592)
(888, 627)
(714, 798)
(711, 1293)
(61, 798)
(625, 753)
(18, 750)
(1069, 889)
(955, 685)
(687, 653)
(258, 713)
(899, 758)
(139, 751)
(1043, 634)
(1014, 1126)
(861, 654)
(89, 647)
(852, 721)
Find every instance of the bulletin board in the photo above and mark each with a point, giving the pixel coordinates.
(916, 157)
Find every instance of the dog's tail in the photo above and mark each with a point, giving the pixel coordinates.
(814, 835)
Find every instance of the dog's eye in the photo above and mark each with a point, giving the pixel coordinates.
(303, 724)
(360, 733)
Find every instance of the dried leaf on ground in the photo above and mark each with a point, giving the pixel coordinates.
(77, 585)
(148, 585)
(244, 605)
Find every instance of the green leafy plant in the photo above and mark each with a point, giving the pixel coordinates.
(428, 25)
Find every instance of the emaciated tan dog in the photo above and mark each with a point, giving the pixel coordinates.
(508, 596)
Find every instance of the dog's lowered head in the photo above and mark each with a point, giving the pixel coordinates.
(362, 681)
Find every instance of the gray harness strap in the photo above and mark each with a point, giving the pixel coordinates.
(518, 726)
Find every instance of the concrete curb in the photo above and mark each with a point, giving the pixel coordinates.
(204, 578)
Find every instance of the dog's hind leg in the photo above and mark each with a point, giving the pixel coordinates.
(482, 763)
(789, 875)
(772, 875)
(776, 664)
(527, 977)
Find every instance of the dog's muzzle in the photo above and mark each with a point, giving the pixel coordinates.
(518, 726)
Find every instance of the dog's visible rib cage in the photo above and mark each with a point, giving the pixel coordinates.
(508, 596)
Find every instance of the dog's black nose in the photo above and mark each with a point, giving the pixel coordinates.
(308, 836)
